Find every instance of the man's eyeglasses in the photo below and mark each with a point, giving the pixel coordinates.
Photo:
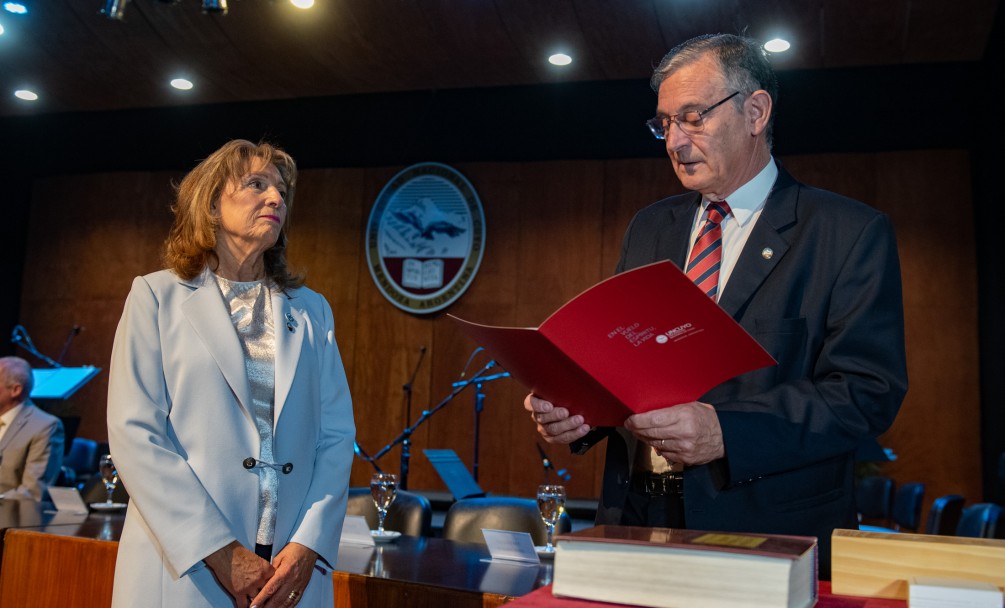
(689, 122)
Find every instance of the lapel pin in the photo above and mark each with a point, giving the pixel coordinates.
(291, 323)
(767, 252)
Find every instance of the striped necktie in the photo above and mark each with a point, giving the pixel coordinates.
(706, 255)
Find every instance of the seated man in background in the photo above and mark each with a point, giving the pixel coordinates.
(31, 441)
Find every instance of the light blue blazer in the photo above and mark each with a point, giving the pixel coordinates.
(180, 426)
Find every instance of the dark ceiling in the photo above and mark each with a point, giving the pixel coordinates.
(80, 61)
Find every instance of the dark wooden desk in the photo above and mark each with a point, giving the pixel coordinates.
(49, 559)
(414, 571)
(56, 559)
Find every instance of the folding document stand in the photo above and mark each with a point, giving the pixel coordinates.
(60, 382)
(453, 473)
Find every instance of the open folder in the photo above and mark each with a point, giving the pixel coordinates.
(641, 340)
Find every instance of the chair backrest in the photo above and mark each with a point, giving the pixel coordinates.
(907, 501)
(466, 518)
(874, 497)
(409, 514)
(944, 515)
(979, 520)
(82, 457)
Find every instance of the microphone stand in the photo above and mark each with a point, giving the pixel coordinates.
(426, 414)
(66, 345)
(479, 406)
(20, 337)
(406, 442)
(359, 452)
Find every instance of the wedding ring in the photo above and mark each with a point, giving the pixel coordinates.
(661, 443)
(292, 596)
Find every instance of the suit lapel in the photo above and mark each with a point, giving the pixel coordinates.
(209, 317)
(290, 324)
(672, 244)
(19, 421)
(765, 247)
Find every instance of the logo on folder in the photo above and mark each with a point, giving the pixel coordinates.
(425, 237)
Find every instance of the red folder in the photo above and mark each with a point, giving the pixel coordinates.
(641, 340)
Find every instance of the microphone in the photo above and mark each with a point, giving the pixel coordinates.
(468, 364)
(562, 473)
(544, 457)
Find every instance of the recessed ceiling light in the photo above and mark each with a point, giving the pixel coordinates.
(26, 95)
(15, 7)
(182, 84)
(560, 59)
(1, 30)
(302, 3)
(776, 45)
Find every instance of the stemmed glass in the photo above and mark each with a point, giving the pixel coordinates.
(383, 487)
(109, 475)
(551, 503)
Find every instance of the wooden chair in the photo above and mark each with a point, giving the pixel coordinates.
(410, 513)
(874, 498)
(907, 502)
(979, 520)
(467, 517)
(944, 515)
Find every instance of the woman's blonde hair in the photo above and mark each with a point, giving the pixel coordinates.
(190, 245)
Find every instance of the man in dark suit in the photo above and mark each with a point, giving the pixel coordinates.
(813, 276)
(31, 441)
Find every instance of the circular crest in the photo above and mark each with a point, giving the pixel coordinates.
(425, 237)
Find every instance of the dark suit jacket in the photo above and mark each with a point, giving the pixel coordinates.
(818, 286)
(31, 452)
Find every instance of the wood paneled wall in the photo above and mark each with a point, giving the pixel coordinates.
(553, 229)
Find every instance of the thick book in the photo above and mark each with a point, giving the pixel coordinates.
(640, 340)
(674, 568)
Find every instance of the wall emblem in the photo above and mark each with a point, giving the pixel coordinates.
(425, 237)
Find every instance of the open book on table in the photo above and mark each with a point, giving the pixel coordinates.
(641, 340)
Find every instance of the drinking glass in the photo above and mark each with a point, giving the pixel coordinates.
(551, 503)
(109, 475)
(383, 487)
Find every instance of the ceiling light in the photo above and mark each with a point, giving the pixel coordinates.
(302, 3)
(15, 7)
(26, 95)
(114, 9)
(776, 45)
(1, 30)
(218, 7)
(560, 59)
(182, 84)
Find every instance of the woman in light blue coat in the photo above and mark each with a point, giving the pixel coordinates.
(229, 414)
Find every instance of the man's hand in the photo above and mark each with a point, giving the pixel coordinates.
(294, 567)
(554, 423)
(688, 433)
(240, 572)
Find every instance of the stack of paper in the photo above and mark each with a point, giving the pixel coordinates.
(933, 592)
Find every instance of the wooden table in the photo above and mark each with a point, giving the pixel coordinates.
(49, 559)
(417, 571)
